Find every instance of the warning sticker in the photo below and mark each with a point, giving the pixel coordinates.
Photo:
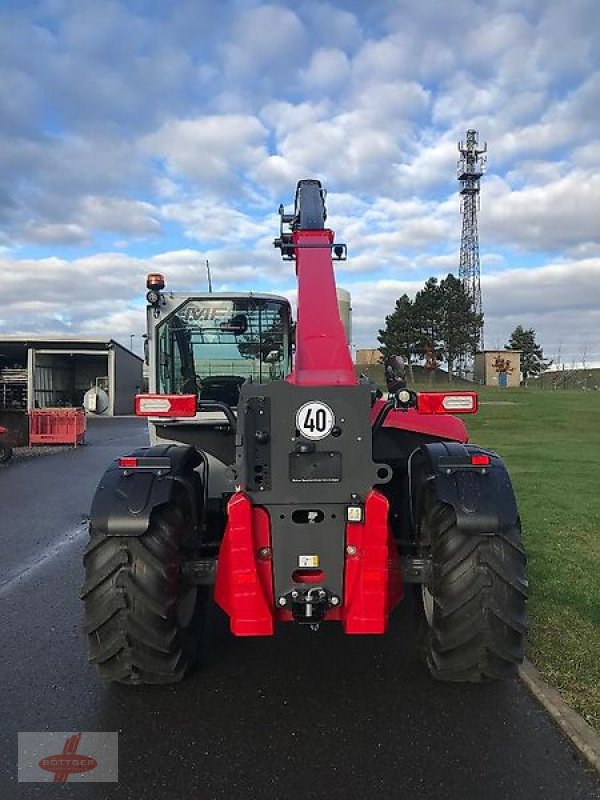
(308, 561)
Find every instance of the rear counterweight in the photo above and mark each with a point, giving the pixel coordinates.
(305, 454)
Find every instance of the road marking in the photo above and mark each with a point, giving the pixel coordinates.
(29, 568)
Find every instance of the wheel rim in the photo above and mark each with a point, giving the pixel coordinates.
(428, 604)
(186, 604)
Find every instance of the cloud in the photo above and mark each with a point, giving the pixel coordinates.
(209, 151)
(557, 215)
(174, 130)
(265, 41)
(560, 301)
(327, 70)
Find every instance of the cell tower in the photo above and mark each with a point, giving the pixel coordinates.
(470, 169)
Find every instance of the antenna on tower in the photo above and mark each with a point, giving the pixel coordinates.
(470, 169)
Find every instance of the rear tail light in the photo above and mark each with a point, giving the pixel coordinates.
(165, 405)
(481, 460)
(128, 462)
(447, 402)
(145, 463)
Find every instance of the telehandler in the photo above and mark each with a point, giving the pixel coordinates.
(278, 476)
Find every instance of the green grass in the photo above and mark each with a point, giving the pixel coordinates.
(550, 442)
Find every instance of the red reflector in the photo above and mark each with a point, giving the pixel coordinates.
(447, 402)
(481, 461)
(165, 405)
(308, 576)
(128, 462)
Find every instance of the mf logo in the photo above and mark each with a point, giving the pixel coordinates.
(69, 761)
(83, 757)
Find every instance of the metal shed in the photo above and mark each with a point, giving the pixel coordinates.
(45, 372)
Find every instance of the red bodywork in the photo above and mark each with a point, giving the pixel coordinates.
(322, 354)
(442, 426)
(372, 575)
(244, 585)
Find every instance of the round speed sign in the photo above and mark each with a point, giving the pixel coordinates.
(315, 420)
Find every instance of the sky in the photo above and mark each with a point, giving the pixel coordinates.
(151, 135)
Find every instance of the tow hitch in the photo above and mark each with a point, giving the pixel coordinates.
(309, 607)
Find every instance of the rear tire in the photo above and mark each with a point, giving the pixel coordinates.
(472, 615)
(142, 621)
(5, 453)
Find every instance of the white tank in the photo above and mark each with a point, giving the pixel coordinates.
(345, 307)
(95, 401)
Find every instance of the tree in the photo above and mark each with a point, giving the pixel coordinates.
(439, 325)
(399, 337)
(532, 355)
(427, 312)
(460, 325)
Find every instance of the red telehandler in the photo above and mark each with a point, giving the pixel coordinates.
(297, 493)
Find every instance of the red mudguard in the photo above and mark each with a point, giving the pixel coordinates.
(244, 582)
(444, 426)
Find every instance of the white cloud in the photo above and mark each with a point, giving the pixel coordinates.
(263, 38)
(560, 301)
(555, 216)
(192, 121)
(328, 69)
(119, 214)
(209, 151)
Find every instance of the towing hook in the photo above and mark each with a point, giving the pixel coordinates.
(321, 594)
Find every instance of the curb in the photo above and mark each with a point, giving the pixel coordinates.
(583, 736)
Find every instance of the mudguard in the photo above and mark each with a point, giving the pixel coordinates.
(125, 499)
(481, 496)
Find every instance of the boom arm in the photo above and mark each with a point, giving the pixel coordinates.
(322, 352)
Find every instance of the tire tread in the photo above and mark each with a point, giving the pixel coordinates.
(130, 598)
(479, 589)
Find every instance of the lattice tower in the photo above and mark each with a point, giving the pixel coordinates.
(470, 169)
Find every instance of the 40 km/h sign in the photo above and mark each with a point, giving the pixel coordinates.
(315, 420)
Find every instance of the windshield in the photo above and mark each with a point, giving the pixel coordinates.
(210, 347)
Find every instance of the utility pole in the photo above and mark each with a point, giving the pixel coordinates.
(208, 275)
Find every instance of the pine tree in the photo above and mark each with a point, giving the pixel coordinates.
(399, 336)
(460, 326)
(439, 324)
(428, 313)
(532, 355)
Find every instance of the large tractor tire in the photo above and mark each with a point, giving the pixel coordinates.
(472, 614)
(143, 622)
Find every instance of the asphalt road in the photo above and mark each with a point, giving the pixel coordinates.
(301, 715)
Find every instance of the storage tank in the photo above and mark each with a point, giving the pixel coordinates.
(95, 401)
(345, 308)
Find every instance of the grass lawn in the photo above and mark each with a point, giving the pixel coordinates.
(550, 441)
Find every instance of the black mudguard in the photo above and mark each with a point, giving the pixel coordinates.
(482, 497)
(124, 499)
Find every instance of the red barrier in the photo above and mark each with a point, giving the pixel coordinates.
(57, 426)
